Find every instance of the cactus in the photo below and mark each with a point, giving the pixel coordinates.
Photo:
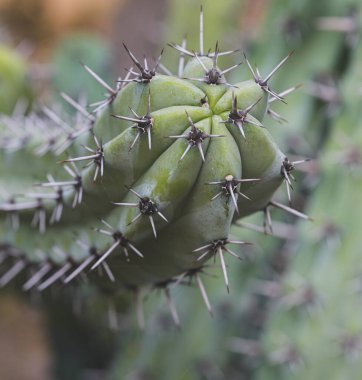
(171, 161)
(312, 331)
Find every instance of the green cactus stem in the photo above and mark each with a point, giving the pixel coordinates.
(170, 163)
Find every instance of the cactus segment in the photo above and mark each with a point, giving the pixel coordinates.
(262, 165)
(247, 93)
(168, 164)
(171, 91)
(263, 82)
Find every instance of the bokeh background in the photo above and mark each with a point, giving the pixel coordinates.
(295, 307)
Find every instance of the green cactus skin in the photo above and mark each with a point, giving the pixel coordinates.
(315, 319)
(13, 80)
(173, 162)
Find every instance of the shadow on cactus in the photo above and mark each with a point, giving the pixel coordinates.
(171, 161)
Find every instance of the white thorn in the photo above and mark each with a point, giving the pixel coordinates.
(153, 225)
(203, 293)
(277, 67)
(201, 31)
(223, 266)
(106, 254)
(172, 308)
(12, 272)
(108, 271)
(59, 273)
(79, 269)
(37, 276)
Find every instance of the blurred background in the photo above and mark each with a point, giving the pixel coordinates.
(295, 307)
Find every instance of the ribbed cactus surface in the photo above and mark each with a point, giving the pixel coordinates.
(145, 187)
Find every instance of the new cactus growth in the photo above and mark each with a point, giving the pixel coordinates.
(170, 162)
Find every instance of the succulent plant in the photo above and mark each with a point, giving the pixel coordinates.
(171, 162)
(312, 331)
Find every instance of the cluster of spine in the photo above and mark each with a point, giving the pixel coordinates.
(171, 162)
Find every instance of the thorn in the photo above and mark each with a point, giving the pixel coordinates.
(106, 254)
(135, 250)
(37, 276)
(285, 92)
(231, 68)
(213, 76)
(12, 272)
(56, 119)
(203, 293)
(181, 49)
(39, 217)
(280, 230)
(126, 204)
(195, 137)
(201, 31)
(99, 79)
(76, 183)
(218, 248)
(223, 266)
(203, 247)
(80, 268)
(77, 107)
(145, 63)
(119, 240)
(172, 308)
(153, 225)
(158, 61)
(201, 63)
(108, 271)
(201, 151)
(181, 62)
(97, 158)
(274, 115)
(143, 124)
(162, 216)
(263, 83)
(133, 58)
(165, 70)
(290, 210)
(229, 188)
(145, 75)
(277, 67)
(54, 277)
(232, 194)
(146, 206)
(240, 117)
(251, 68)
